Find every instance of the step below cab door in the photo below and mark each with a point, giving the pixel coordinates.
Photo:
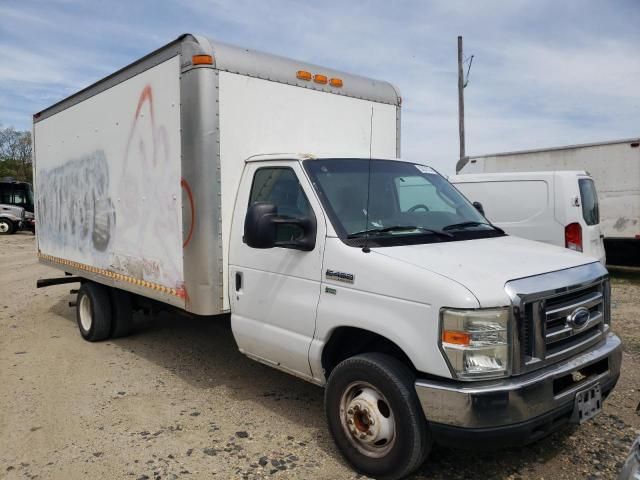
(274, 291)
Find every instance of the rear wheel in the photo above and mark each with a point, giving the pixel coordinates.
(122, 313)
(6, 226)
(93, 312)
(375, 416)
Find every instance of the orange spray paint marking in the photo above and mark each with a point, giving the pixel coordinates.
(187, 189)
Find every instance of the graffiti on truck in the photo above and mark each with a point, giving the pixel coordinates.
(74, 205)
(119, 206)
(147, 192)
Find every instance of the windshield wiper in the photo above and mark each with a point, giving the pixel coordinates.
(463, 225)
(398, 228)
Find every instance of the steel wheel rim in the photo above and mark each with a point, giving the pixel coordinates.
(4, 227)
(367, 419)
(85, 313)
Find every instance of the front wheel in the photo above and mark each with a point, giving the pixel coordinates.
(375, 416)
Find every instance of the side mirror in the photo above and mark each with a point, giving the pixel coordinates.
(479, 207)
(262, 227)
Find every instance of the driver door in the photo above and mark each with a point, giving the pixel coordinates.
(274, 292)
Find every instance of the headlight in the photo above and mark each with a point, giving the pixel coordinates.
(476, 342)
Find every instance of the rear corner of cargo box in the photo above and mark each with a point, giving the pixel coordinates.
(201, 193)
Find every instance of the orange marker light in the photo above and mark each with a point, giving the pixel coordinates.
(202, 60)
(335, 82)
(456, 338)
(303, 75)
(322, 79)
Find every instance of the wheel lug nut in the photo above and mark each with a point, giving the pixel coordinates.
(357, 408)
(350, 422)
(362, 436)
(372, 421)
(350, 411)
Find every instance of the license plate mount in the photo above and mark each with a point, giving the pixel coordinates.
(587, 404)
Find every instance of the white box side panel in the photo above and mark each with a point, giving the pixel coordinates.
(259, 117)
(108, 186)
(615, 169)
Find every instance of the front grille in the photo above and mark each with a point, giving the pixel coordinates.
(552, 325)
(559, 334)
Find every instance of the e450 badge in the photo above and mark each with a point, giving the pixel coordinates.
(339, 276)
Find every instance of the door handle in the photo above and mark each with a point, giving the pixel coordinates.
(238, 281)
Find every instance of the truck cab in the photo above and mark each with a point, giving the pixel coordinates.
(377, 279)
(19, 195)
(13, 192)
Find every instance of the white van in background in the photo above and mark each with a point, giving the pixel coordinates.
(559, 207)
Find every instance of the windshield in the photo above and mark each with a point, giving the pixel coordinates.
(394, 202)
(19, 194)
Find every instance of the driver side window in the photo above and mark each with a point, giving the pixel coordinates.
(280, 186)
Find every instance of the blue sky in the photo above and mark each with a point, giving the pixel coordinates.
(545, 73)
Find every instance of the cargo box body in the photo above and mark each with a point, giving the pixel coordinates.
(136, 176)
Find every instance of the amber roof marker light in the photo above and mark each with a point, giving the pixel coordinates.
(202, 60)
(335, 82)
(321, 79)
(304, 75)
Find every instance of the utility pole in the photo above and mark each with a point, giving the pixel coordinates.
(461, 98)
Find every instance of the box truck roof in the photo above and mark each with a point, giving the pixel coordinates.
(474, 158)
(234, 59)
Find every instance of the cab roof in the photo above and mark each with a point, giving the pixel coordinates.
(311, 156)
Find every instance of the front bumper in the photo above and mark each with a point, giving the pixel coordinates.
(518, 409)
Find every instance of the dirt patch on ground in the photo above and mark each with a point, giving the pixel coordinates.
(177, 400)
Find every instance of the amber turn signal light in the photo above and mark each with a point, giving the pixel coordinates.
(456, 338)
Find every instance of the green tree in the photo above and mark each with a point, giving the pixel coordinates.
(15, 154)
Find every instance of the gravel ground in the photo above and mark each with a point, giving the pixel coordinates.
(177, 400)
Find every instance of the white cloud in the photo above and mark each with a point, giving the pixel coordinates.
(545, 73)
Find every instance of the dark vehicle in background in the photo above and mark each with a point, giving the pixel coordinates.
(19, 194)
(12, 219)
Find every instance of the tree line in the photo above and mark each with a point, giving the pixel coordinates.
(15, 154)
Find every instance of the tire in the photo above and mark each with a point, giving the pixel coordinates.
(93, 312)
(121, 313)
(7, 227)
(352, 398)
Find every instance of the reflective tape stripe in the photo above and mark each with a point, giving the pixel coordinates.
(114, 275)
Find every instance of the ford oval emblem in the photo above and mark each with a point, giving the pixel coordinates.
(579, 317)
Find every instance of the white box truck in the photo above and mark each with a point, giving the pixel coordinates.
(560, 208)
(190, 180)
(615, 168)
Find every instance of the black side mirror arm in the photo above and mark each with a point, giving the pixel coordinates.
(478, 206)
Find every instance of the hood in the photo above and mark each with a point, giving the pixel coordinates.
(485, 265)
